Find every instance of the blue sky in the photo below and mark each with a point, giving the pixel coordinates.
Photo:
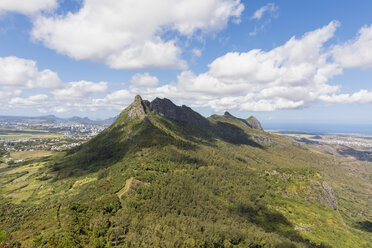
(282, 61)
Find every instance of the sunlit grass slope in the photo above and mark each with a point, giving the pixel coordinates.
(149, 181)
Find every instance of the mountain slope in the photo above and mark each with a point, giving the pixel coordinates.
(164, 176)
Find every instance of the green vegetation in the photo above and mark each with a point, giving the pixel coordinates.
(156, 182)
(28, 133)
(21, 155)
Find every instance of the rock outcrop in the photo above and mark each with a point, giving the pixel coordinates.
(251, 122)
(167, 108)
(136, 109)
(164, 107)
(328, 198)
(254, 123)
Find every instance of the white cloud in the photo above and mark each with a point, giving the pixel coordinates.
(128, 34)
(144, 80)
(35, 101)
(261, 22)
(270, 8)
(27, 7)
(78, 91)
(362, 96)
(197, 52)
(23, 73)
(293, 75)
(289, 76)
(115, 100)
(355, 53)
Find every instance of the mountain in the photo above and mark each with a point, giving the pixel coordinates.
(80, 120)
(254, 123)
(162, 175)
(54, 119)
(87, 121)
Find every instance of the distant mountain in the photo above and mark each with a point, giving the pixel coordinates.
(106, 122)
(80, 120)
(54, 119)
(28, 118)
(162, 175)
(254, 123)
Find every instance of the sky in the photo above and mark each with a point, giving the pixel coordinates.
(297, 62)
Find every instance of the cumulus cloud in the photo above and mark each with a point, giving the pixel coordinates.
(357, 52)
(128, 34)
(292, 75)
(115, 100)
(24, 73)
(27, 7)
(19, 77)
(79, 90)
(362, 96)
(268, 8)
(289, 76)
(144, 80)
(35, 101)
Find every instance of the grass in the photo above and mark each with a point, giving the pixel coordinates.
(22, 155)
(28, 134)
(161, 183)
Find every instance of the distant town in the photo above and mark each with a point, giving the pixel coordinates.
(49, 133)
(355, 146)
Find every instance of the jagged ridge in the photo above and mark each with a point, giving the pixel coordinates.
(164, 107)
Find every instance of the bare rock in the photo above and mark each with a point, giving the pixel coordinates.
(315, 184)
(254, 123)
(267, 141)
(136, 109)
(328, 197)
(303, 228)
(167, 108)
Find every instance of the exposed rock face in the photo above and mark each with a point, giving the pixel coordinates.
(164, 107)
(267, 141)
(328, 198)
(254, 123)
(303, 228)
(136, 109)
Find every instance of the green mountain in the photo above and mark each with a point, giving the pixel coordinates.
(164, 176)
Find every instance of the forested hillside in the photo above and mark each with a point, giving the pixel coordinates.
(164, 176)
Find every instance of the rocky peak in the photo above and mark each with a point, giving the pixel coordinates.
(254, 123)
(167, 108)
(136, 109)
(137, 98)
(164, 107)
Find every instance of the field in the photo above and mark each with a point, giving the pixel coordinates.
(6, 133)
(22, 155)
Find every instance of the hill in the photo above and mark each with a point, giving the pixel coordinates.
(162, 175)
(54, 119)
